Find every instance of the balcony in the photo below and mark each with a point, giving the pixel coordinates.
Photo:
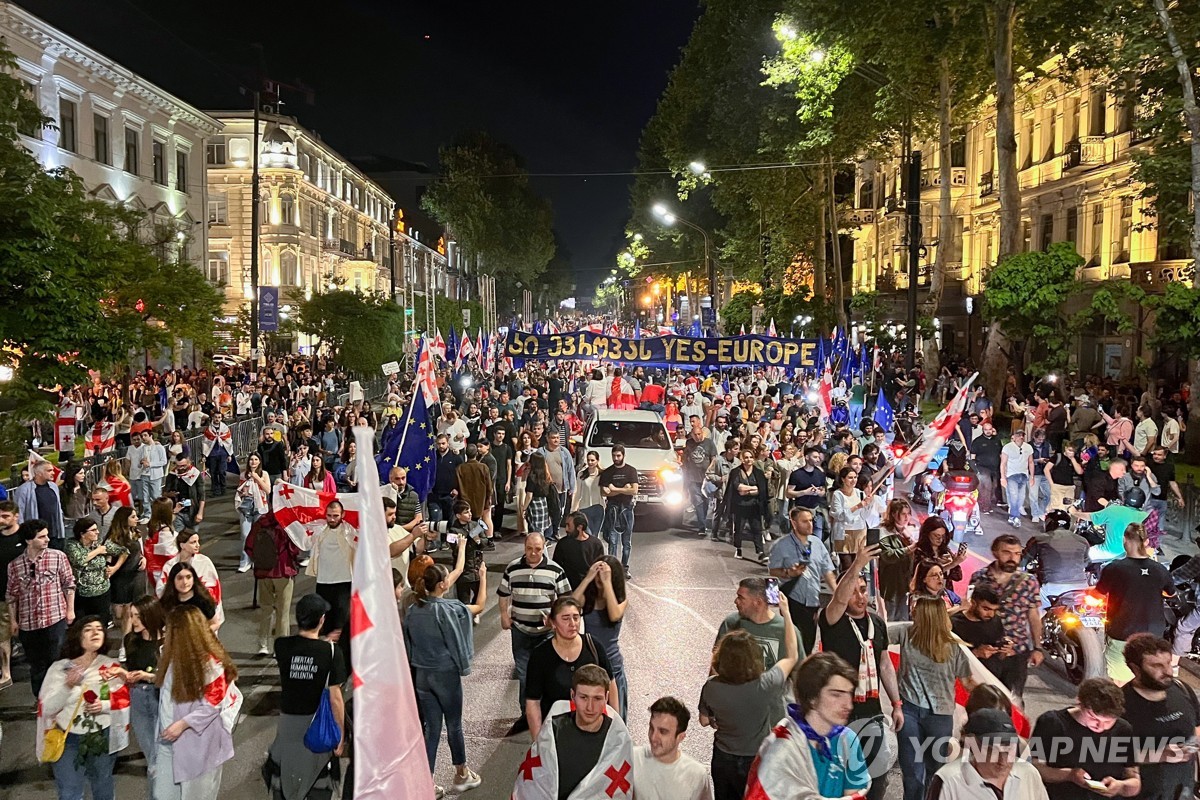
(1091, 150)
(1072, 158)
(932, 177)
(893, 205)
(987, 184)
(857, 217)
(1153, 276)
(340, 247)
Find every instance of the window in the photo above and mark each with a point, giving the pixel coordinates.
(287, 209)
(100, 138)
(264, 215)
(131, 151)
(181, 182)
(314, 220)
(289, 269)
(1097, 108)
(1073, 227)
(958, 152)
(218, 267)
(1097, 235)
(1026, 143)
(1049, 132)
(866, 192)
(955, 254)
(1026, 235)
(67, 115)
(1047, 231)
(159, 161)
(1126, 232)
(637, 434)
(26, 127)
(215, 153)
(218, 209)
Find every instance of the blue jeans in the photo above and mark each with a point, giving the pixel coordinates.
(96, 772)
(247, 519)
(217, 462)
(522, 645)
(1017, 489)
(1039, 496)
(595, 518)
(143, 717)
(922, 744)
(856, 415)
(619, 517)
(440, 694)
(699, 504)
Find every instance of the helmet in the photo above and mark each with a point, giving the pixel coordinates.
(1135, 497)
(1058, 520)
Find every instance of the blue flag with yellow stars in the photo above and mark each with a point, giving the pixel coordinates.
(417, 453)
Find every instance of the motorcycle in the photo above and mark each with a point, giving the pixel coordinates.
(959, 503)
(1179, 607)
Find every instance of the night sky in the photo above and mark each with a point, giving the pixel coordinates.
(569, 85)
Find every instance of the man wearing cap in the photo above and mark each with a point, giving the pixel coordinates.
(989, 768)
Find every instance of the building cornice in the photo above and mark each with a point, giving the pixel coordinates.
(64, 47)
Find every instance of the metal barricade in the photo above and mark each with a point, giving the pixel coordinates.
(372, 390)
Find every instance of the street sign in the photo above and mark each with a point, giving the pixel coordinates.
(466, 317)
(391, 368)
(708, 316)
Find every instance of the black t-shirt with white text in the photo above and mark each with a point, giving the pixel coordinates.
(619, 477)
(1061, 742)
(1155, 724)
(304, 666)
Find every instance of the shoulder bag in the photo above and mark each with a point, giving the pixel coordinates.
(323, 734)
(54, 741)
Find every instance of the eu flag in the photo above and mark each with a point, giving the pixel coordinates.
(418, 454)
(452, 346)
(884, 415)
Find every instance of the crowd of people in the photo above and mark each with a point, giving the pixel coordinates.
(803, 694)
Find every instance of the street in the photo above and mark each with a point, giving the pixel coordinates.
(682, 588)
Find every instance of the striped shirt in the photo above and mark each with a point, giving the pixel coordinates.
(533, 589)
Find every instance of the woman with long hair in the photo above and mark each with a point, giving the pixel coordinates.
(538, 486)
(198, 710)
(159, 546)
(602, 593)
(188, 542)
(142, 646)
(83, 695)
(740, 701)
(849, 507)
(320, 478)
(125, 582)
(344, 471)
(183, 586)
(930, 662)
(74, 494)
(120, 492)
(897, 541)
(587, 498)
(251, 500)
(929, 580)
(177, 447)
(933, 544)
(89, 561)
(439, 637)
(524, 450)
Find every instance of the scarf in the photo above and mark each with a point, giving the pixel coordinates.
(822, 743)
(867, 687)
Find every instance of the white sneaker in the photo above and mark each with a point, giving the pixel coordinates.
(263, 650)
(466, 784)
(438, 792)
(245, 567)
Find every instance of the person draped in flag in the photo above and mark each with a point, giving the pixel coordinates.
(188, 545)
(621, 395)
(218, 449)
(199, 708)
(813, 752)
(583, 750)
(84, 695)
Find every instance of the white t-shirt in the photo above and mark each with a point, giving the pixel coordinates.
(686, 779)
(458, 432)
(400, 562)
(333, 558)
(1170, 435)
(1018, 458)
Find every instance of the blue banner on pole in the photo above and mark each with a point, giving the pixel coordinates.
(268, 308)
(724, 351)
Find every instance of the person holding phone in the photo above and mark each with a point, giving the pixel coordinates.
(801, 563)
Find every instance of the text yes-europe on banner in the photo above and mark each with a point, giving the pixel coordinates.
(726, 351)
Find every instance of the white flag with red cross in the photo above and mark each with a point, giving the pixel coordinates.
(611, 777)
(101, 439)
(935, 436)
(36, 458)
(389, 761)
(301, 511)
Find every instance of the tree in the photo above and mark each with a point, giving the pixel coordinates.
(361, 332)
(82, 289)
(484, 199)
(1177, 328)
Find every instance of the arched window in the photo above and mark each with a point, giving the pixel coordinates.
(289, 269)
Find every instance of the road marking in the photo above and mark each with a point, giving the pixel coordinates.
(687, 610)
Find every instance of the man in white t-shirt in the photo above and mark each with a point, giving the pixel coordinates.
(660, 771)
(1016, 471)
(455, 429)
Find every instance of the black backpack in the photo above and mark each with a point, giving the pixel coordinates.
(264, 554)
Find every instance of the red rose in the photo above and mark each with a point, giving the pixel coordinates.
(90, 697)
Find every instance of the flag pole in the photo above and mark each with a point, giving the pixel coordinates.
(412, 402)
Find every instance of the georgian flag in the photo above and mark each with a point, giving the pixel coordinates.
(118, 714)
(771, 329)
(36, 458)
(825, 392)
(101, 439)
(551, 327)
(438, 347)
(935, 436)
(301, 512)
(595, 327)
(208, 576)
(158, 548)
(537, 776)
(64, 427)
(120, 493)
(465, 350)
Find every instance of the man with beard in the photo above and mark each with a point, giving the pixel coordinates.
(1164, 714)
(1020, 610)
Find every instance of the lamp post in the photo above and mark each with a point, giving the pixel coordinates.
(970, 301)
(669, 218)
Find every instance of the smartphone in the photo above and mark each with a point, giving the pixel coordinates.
(1095, 786)
(185, 503)
(773, 591)
(872, 537)
(451, 538)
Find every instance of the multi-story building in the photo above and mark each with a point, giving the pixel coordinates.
(1074, 145)
(323, 223)
(128, 140)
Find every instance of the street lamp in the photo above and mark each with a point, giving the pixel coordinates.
(697, 168)
(970, 301)
(669, 218)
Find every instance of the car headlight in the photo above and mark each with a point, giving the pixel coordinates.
(669, 475)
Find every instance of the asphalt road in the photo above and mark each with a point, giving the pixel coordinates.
(682, 588)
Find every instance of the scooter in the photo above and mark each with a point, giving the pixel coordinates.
(959, 504)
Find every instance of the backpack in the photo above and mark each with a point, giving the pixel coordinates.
(264, 554)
